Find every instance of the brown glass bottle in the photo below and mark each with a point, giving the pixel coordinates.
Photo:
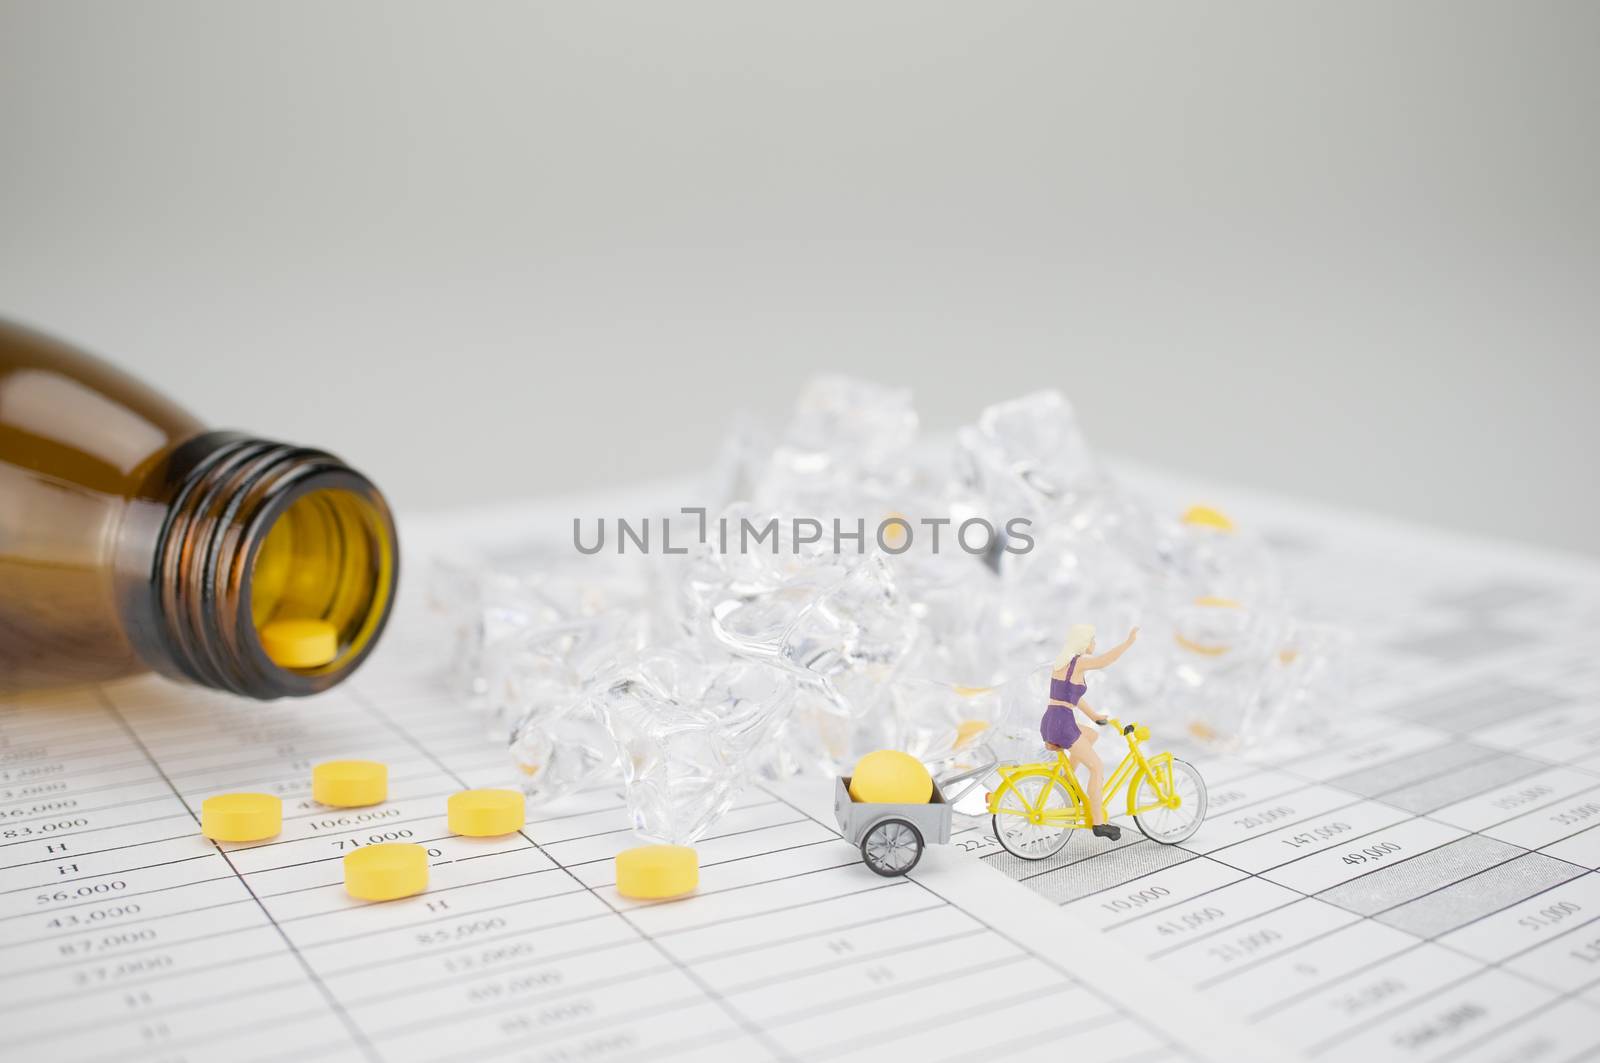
(134, 539)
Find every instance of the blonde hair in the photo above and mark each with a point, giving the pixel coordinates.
(1078, 638)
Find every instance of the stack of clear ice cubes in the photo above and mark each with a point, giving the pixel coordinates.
(903, 593)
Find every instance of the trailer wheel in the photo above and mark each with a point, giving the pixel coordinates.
(891, 847)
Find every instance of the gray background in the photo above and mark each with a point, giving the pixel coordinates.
(1345, 250)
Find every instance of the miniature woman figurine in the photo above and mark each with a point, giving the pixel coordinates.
(1060, 727)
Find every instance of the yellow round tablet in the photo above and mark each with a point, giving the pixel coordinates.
(1208, 517)
(891, 777)
(486, 813)
(241, 817)
(349, 783)
(967, 730)
(300, 643)
(384, 872)
(656, 872)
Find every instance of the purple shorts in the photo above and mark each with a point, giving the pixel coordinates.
(1060, 726)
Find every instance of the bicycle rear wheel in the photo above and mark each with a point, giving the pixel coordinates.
(1166, 825)
(1014, 828)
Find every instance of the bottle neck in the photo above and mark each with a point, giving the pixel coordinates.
(240, 533)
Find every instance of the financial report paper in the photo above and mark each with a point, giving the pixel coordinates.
(1416, 880)
(125, 935)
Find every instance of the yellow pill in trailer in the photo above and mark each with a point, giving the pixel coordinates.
(349, 783)
(300, 643)
(486, 813)
(657, 872)
(386, 872)
(241, 817)
(891, 777)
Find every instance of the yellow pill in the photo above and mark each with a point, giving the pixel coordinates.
(241, 817)
(967, 730)
(1208, 517)
(349, 783)
(486, 813)
(656, 872)
(384, 872)
(300, 643)
(891, 777)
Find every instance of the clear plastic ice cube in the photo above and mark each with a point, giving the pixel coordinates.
(688, 723)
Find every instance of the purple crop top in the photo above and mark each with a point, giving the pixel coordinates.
(1065, 689)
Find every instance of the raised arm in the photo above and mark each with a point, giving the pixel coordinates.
(1100, 660)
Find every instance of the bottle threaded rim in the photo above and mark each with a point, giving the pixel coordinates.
(217, 526)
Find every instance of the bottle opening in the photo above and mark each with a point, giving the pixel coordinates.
(275, 569)
(320, 583)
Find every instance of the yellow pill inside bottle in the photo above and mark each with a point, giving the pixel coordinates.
(386, 872)
(657, 872)
(349, 783)
(486, 813)
(241, 817)
(300, 643)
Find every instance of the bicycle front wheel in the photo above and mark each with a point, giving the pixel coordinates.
(1014, 826)
(1169, 824)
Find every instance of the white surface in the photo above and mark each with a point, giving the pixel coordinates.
(503, 250)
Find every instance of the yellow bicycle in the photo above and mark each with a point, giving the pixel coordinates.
(1036, 806)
